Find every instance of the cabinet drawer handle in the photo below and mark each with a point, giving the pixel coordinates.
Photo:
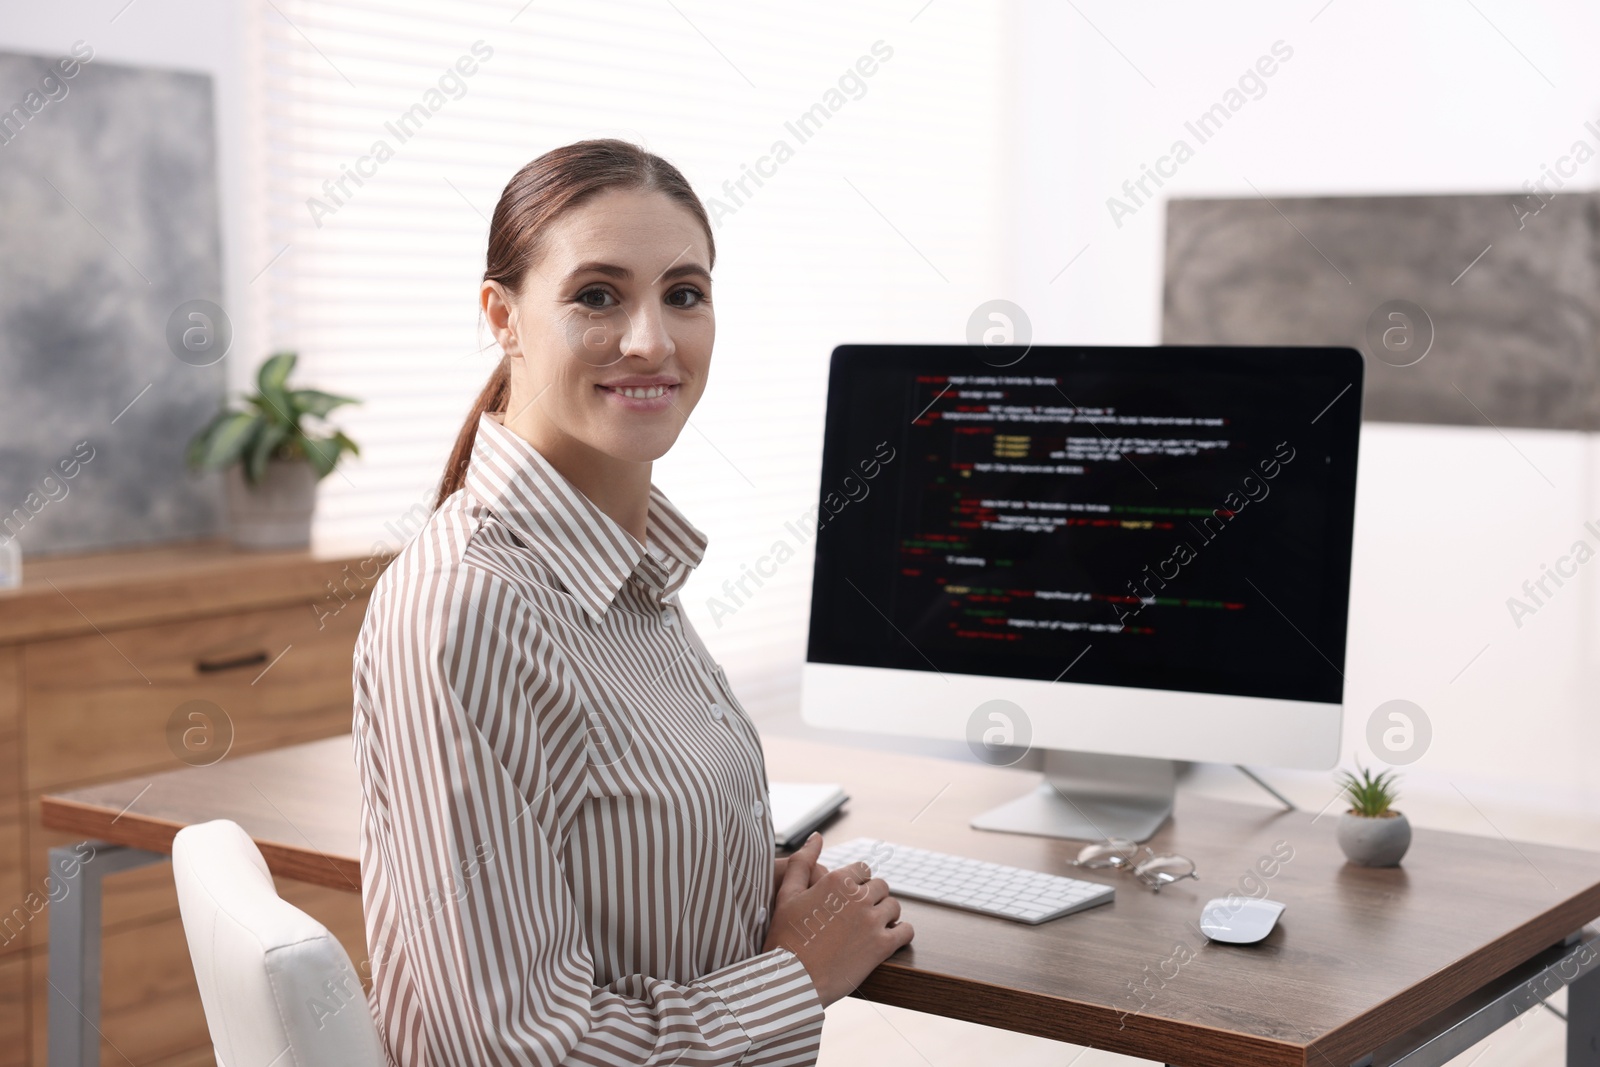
(249, 659)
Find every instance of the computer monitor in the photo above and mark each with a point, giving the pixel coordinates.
(1124, 556)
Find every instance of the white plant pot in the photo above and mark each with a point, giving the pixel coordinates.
(1374, 841)
(277, 513)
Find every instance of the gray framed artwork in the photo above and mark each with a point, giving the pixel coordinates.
(111, 235)
(1473, 310)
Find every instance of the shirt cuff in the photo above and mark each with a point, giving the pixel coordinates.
(770, 996)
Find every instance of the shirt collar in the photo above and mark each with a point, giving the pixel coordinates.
(591, 554)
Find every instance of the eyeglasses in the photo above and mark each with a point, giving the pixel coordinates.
(1152, 870)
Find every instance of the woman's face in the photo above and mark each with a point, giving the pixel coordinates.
(610, 335)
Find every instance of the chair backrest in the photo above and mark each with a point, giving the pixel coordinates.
(271, 977)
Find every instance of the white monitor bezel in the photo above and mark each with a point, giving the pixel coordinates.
(1114, 720)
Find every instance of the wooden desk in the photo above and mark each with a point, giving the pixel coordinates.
(1383, 963)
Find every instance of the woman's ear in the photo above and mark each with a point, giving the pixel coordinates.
(502, 316)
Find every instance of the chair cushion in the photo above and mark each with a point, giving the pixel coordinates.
(271, 977)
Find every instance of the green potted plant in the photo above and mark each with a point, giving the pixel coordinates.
(1371, 833)
(272, 463)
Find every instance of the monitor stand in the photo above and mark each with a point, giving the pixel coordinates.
(1086, 796)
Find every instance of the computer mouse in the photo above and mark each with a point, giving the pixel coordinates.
(1239, 920)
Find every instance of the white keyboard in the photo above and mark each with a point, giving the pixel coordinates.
(990, 888)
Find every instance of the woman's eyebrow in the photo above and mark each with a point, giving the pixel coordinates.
(693, 270)
(613, 270)
(596, 267)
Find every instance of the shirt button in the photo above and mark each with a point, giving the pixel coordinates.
(757, 808)
(716, 711)
(761, 915)
(667, 618)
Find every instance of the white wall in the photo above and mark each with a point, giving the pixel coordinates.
(1377, 98)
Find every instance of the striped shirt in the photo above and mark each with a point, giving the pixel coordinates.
(566, 855)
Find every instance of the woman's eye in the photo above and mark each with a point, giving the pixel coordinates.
(694, 296)
(603, 301)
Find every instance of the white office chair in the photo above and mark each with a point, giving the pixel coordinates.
(272, 979)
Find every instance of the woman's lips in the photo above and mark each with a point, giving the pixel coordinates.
(640, 397)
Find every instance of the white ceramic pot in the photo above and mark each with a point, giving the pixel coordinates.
(277, 513)
(1374, 841)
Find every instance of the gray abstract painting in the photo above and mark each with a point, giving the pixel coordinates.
(1472, 310)
(108, 196)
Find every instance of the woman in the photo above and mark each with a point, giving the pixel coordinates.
(566, 857)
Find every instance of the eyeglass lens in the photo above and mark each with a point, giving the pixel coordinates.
(1158, 871)
(1112, 852)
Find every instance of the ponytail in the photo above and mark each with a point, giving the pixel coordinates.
(491, 399)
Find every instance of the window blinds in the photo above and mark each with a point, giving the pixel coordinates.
(851, 154)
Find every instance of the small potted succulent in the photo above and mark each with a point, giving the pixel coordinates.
(272, 463)
(1371, 832)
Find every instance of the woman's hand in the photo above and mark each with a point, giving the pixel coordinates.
(779, 866)
(841, 923)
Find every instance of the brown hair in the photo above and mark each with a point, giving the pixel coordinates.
(535, 196)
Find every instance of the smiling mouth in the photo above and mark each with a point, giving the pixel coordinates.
(640, 392)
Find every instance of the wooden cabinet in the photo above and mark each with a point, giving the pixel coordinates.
(192, 690)
(14, 1008)
(120, 664)
(15, 916)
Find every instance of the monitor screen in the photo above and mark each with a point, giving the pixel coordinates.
(1173, 518)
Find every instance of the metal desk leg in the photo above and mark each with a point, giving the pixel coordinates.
(1583, 1020)
(76, 872)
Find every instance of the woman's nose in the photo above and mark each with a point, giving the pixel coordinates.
(648, 336)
